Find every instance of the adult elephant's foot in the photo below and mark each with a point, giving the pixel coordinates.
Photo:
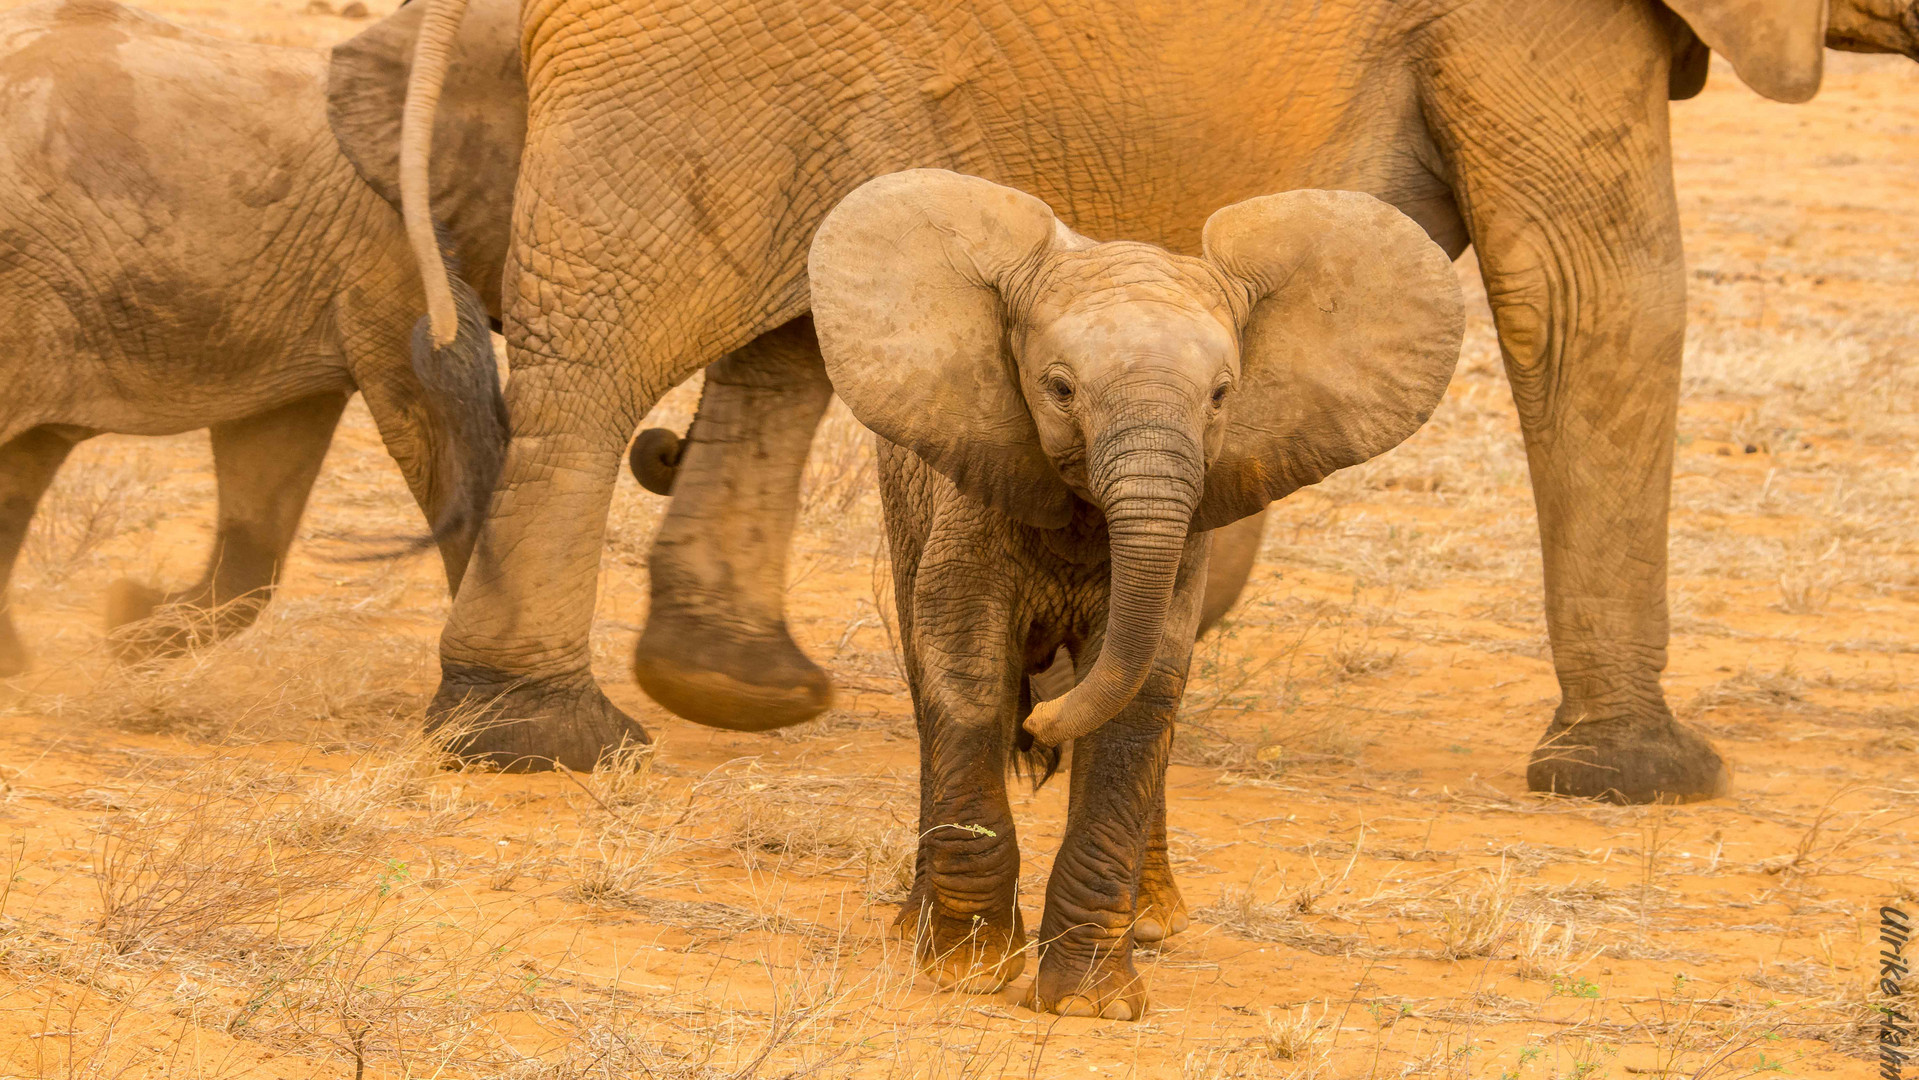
(519, 725)
(1083, 972)
(711, 672)
(14, 659)
(970, 953)
(1651, 759)
(1162, 910)
(145, 623)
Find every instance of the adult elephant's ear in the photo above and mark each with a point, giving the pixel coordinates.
(1352, 336)
(909, 274)
(1777, 46)
(478, 132)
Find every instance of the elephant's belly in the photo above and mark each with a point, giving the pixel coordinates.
(157, 397)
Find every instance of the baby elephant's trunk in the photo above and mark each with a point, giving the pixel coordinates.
(1148, 483)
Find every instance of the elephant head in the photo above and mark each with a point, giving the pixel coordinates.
(1036, 368)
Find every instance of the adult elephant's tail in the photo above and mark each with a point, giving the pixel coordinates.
(430, 58)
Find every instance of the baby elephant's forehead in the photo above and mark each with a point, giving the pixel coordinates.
(1124, 272)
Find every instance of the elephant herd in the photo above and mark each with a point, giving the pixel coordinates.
(891, 202)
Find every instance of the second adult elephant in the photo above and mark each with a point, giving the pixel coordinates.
(679, 157)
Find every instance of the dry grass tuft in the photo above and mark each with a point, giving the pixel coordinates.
(835, 825)
(211, 874)
(626, 871)
(1475, 918)
(624, 780)
(1239, 912)
(286, 677)
(1543, 947)
(1296, 1037)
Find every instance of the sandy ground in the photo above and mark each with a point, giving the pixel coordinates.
(238, 864)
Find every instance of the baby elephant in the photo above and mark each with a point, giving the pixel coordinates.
(183, 245)
(1061, 422)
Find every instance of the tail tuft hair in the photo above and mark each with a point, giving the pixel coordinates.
(1034, 758)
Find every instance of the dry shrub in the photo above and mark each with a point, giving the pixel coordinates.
(90, 504)
(1804, 591)
(395, 977)
(353, 809)
(840, 472)
(839, 511)
(225, 851)
(235, 874)
(882, 855)
(1358, 659)
(1752, 689)
(207, 875)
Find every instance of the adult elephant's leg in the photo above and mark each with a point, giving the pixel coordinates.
(27, 464)
(1096, 896)
(264, 466)
(516, 665)
(1564, 170)
(1231, 563)
(716, 648)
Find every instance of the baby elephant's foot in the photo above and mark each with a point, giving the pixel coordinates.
(1079, 978)
(969, 953)
(1162, 911)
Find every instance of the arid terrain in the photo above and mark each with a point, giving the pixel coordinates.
(242, 863)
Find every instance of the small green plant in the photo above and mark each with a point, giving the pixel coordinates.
(395, 874)
(1579, 988)
(1386, 1016)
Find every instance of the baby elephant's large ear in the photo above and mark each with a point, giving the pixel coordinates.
(908, 274)
(1352, 338)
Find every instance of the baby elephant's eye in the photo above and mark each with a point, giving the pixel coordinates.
(1219, 394)
(1061, 389)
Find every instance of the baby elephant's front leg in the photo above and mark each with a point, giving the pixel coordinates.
(1094, 899)
(964, 909)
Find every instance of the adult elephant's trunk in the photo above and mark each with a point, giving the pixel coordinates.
(1150, 485)
(430, 56)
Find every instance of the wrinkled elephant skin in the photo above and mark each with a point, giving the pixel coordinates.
(160, 274)
(1062, 423)
(668, 192)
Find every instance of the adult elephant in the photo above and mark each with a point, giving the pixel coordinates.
(678, 158)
